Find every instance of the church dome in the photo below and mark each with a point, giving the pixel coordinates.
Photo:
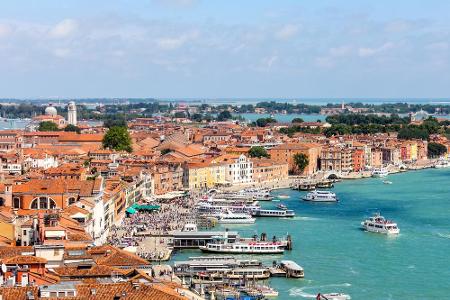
(51, 111)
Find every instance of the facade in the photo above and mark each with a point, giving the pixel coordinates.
(285, 153)
(266, 170)
(336, 159)
(238, 168)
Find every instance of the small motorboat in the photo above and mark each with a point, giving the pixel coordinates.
(333, 296)
(387, 182)
(284, 196)
(282, 206)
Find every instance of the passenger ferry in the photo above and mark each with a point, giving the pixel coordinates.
(380, 172)
(280, 213)
(221, 245)
(257, 194)
(320, 196)
(379, 224)
(234, 218)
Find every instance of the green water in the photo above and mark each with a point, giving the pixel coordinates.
(339, 257)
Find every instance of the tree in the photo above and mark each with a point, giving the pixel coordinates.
(72, 128)
(224, 115)
(262, 122)
(297, 120)
(180, 114)
(258, 151)
(413, 132)
(48, 126)
(165, 151)
(117, 138)
(115, 120)
(436, 150)
(301, 161)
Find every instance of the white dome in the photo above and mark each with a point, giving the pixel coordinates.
(51, 111)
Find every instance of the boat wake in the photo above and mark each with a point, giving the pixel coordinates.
(304, 219)
(302, 292)
(443, 235)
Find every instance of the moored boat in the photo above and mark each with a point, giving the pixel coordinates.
(292, 269)
(220, 245)
(320, 196)
(283, 196)
(380, 172)
(234, 218)
(280, 213)
(378, 224)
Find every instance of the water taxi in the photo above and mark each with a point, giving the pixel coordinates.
(387, 182)
(380, 172)
(378, 224)
(220, 245)
(320, 196)
(282, 206)
(333, 296)
(228, 217)
(280, 213)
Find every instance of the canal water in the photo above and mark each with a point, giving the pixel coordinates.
(339, 257)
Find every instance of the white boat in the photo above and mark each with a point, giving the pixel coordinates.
(283, 196)
(380, 172)
(221, 245)
(255, 273)
(320, 196)
(387, 182)
(282, 206)
(280, 213)
(378, 224)
(333, 296)
(442, 163)
(234, 218)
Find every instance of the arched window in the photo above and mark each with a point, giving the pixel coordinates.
(43, 203)
(72, 200)
(16, 202)
(2, 201)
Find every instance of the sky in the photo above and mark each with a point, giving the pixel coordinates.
(225, 48)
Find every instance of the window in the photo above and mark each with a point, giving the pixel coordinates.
(72, 200)
(43, 203)
(56, 252)
(16, 202)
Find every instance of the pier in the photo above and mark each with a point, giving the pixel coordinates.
(192, 240)
(309, 185)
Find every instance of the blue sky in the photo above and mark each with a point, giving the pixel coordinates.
(228, 48)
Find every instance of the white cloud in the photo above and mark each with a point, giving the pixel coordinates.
(367, 52)
(63, 29)
(439, 46)
(5, 30)
(61, 52)
(340, 51)
(172, 43)
(287, 32)
(176, 3)
(324, 62)
(268, 62)
(398, 26)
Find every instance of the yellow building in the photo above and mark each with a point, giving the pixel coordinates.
(203, 174)
(413, 150)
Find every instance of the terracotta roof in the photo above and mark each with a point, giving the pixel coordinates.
(24, 260)
(111, 256)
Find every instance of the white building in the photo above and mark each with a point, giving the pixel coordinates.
(239, 170)
(72, 113)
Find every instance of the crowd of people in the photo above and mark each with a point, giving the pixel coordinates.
(147, 231)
